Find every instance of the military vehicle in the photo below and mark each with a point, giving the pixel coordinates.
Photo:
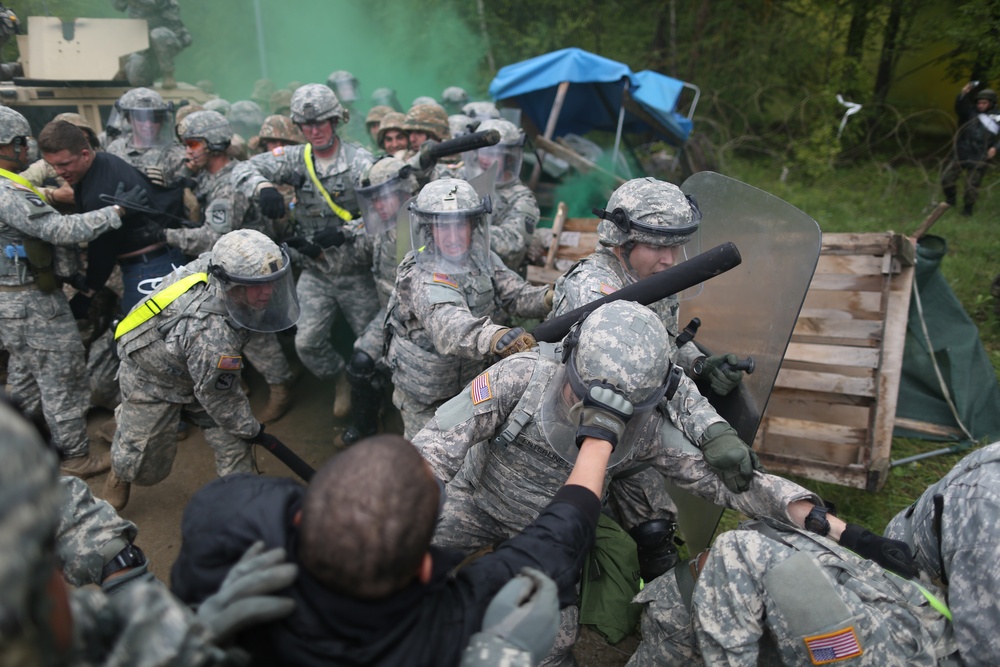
(75, 66)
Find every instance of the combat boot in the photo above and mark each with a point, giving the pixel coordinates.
(106, 431)
(654, 541)
(342, 397)
(278, 402)
(116, 491)
(86, 466)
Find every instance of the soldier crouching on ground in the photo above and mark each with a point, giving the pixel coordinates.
(181, 353)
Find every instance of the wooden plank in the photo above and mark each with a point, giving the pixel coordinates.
(557, 228)
(924, 427)
(843, 282)
(855, 476)
(862, 303)
(826, 397)
(538, 275)
(857, 244)
(575, 159)
(862, 265)
(802, 405)
(550, 128)
(581, 225)
(833, 355)
(838, 328)
(836, 434)
(836, 314)
(833, 383)
(810, 450)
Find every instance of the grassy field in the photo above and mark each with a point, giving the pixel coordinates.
(877, 198)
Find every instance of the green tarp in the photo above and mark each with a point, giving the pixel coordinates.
(963, 363)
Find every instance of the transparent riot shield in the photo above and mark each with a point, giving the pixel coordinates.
(750, 310)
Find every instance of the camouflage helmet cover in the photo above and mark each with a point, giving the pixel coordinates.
(454, 95)
(281, 128)
(987, 94)
(481, 110)
(211, 126)
(142, 98)
(315, 102)
(386, 169)
(429, 118)
(645, 210)
(218, 104)
(262, 90)
(386, 97)
(423, 99)
(182, 114)
(462, 125)
(447, 195)
(12, 125)
(383, 190)
(391, 121)
(281, 101)
(246, 112)
(246, 255)
(510, 134)
(442, 206)
(377, 113)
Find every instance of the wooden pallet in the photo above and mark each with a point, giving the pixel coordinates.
(831, 414)
(571, 239)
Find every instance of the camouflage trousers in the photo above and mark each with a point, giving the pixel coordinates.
(415, 412)
(263, 350)
(145, 442)
(372, 339)
(746, 605)
(90, 533)
(321, 298)
(47, 357)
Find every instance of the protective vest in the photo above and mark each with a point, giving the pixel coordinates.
(312, 211)
(154, 304)
(25, 256)
(384, 265)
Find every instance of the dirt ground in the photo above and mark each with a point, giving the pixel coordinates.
(309, 429)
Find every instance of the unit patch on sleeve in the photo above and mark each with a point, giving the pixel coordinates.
(445, 279)
(607, 289)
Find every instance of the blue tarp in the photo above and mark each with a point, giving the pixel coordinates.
(595, 95)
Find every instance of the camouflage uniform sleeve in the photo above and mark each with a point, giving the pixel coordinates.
(174, 163)
(686, 356)
(474, 415)
(215, 362)
(277, 167)
(580, 285)
(445, 316)
(690, 411)
(363, 159)
(38, 172)
(517, 296)
(218, 219)
(28, 213)
(511, 234)
(89, 534)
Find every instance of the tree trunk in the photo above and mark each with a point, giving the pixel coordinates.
(700, 21)
(887, 59)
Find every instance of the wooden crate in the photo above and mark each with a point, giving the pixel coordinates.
(575, 239)
(831, 414)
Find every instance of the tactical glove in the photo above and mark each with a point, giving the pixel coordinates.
(304, 245)
(717, 371)
(506, 342)
(893, 555)
(80, 306)
(524, 614)
(243, 600)
(78, 281)
(272, 204)
(331, 237)
(605, 413)
(730, 458)
(130, 199)
(549, 298)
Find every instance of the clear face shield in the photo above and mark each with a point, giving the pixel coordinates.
(150, 127)
(380, 204)
(347, 90)
(507, 157)
(263, 303)
(562, 404)
(451, 241)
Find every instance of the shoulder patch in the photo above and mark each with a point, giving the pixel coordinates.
(278, 151)
(607, 289)
(230, 363)
(445, 279)
(225, 381)
(481, 390)
(834, 646)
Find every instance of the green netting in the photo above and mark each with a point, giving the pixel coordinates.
(963, 363)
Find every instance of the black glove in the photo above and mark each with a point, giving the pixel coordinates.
(893, 555)
(129, 199)
(78, 281)
(331, 237)
(265, 440)
(605, 413)
(426, 159)
(80, 305)
(272, 204)
(304, 245)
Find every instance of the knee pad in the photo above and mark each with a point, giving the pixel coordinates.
(361, 367)
(654, 542)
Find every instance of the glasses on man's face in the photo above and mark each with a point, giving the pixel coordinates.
(195, 144)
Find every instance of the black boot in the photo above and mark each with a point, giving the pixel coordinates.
(654, 541)
(366, 398)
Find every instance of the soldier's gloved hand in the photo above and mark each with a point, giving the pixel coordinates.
(130, 199)
(550, 296)
(426, 159)
(245, 599)
(506, 342)
(605, 413)
(718, 371)
(524, 615)
(331, 237)
(272, 204)
(893, 555)
(80, 305)
(304, 245)
(729, 457)
(78, 281)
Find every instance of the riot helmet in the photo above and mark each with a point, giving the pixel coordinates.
(384, 188)
(345, 85)
(621, 346)
(281, 129)
(14, 129)
(454, 98)
(256, 279)
(449, 227)
(399, 139)
(989, 95)
(245, 117)
(424, 99)
(281, 102)
(386, 97)
(507, 154)
(218, 104)
(461, 125)
(653, 213)
(149, 117)
(481, 111)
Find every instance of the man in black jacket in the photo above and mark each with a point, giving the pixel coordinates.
(371, 589)
(975, 144)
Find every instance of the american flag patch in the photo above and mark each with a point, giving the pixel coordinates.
(230, 363)
(481, 389)
(445, 279)
(832, 647)
(607, 289)
(278, 151)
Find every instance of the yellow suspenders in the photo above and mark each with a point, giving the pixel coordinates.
(341, 213)
(154, 304)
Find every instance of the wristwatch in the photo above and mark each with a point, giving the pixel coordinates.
(816, 520)
(130, 556)
(698, 366)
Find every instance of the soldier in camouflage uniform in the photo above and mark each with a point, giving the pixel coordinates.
(453, 99)
(374, 117)
(482, 111)
(276, 131)
(246, 117)
(141, 624)
(281, 102)
(427, 122)
(524, 412)
(324, 172)
(187, 359)
(515, 213)
(648, 226)
(449, 289)
(392, 136)
(167, 38)
(37, 326)
(206, 135)
(150, 146)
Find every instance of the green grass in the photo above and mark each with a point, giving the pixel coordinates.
(876, 198)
